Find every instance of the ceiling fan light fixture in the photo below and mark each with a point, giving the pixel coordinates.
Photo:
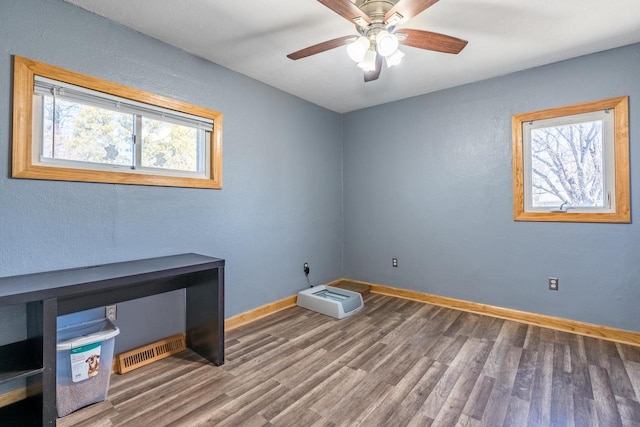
(394, 58)
(387, 43)
(378, 36)
(358, 49)
(369, 61)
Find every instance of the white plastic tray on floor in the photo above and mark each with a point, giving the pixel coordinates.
(334, 302)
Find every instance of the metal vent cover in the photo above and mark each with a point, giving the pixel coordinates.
(141, 356)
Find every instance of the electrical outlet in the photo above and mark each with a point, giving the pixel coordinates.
(553, 283)
(111, 312)
(394, 262)
(306, 269)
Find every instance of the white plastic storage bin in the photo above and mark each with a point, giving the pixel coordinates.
(84, 358)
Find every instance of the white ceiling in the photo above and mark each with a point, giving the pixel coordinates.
(254, 37)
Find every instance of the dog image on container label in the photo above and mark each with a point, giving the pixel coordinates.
(94, 364)
(85, 362)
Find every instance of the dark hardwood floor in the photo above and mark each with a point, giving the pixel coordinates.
(396, 363)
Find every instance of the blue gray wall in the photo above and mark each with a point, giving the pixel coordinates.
(281, 204)
(429, 180)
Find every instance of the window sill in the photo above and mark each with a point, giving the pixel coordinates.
(619, 218)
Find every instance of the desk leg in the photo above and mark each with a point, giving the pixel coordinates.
(205, 315)
(41, 329)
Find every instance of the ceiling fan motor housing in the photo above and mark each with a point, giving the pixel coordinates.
(376, 10)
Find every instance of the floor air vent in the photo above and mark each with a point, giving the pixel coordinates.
(138, 357)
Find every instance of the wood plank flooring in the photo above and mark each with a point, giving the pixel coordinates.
(396, 363)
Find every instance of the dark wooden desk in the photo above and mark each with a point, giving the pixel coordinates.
(47, 295)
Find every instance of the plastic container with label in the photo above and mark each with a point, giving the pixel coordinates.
(84, 358)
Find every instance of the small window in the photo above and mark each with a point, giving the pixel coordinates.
(571, 164)
(78, 128)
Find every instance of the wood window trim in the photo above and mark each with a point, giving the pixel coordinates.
(622, 214)
(22, 164)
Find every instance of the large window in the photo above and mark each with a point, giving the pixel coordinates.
(68, 126)
(571, 164)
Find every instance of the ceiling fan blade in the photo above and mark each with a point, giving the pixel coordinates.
(321, 47)
(346, 9)
(409, 8)
(373, 75)
(431, 41)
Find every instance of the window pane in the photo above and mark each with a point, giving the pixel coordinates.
(170, 146)
(84, 133)
(567, 165)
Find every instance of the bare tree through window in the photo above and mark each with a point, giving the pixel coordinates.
(566, 165)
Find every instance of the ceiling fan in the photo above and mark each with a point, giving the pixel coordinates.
(376, 22)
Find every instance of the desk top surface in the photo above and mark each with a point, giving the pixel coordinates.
(65, 283)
